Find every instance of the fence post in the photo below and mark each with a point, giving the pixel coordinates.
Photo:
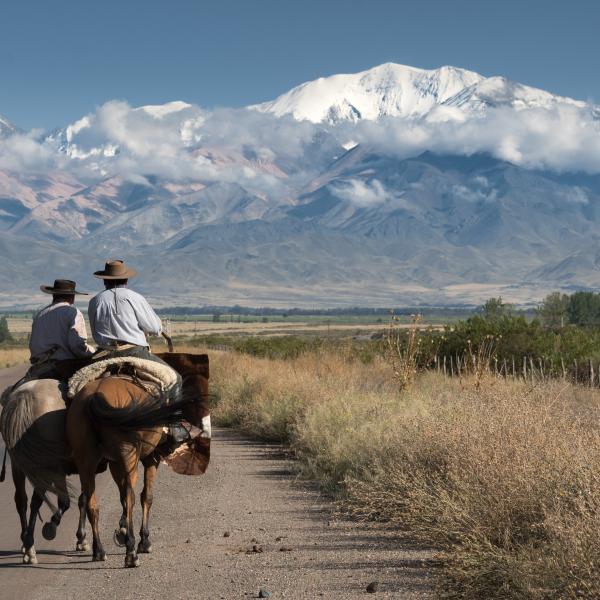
(445, 365)
(532, 369)
(564, 371)
(576, 373)
(591, 373)
(525, 367)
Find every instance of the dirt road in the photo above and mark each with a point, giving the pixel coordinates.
(204, 531)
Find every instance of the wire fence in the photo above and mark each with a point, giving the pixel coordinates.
(528, 368)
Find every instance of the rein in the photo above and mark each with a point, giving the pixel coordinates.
(169, 341)
(3, 472)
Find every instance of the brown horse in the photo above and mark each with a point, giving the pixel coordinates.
(112, 418)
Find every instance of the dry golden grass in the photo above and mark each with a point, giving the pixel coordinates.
(13, 356)
(502, 477)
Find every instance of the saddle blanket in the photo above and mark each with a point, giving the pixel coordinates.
(147, 371)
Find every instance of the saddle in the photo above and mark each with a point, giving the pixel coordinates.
(149, 374)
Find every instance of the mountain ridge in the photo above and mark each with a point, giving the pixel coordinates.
(261, 205)
(373, 94)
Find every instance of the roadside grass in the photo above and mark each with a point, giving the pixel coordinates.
(501, 477)
(13, 355)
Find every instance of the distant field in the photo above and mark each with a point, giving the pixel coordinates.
(273, 325)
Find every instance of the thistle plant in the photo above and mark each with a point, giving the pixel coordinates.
(403, 351)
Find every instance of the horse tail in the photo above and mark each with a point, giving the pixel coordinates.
(141, 414)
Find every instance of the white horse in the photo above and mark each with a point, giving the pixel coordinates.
(32, 424)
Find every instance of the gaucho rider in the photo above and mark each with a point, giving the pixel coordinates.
(120, 319)
(58, 332)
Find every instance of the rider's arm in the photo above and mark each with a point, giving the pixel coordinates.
(148, 320)
(78, 337)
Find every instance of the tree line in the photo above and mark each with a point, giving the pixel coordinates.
(565, 328)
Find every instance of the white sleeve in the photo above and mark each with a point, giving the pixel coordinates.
(78, 337)
(148, 320)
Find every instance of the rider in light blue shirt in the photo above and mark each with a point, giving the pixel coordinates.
(120, 320)
(118, 315)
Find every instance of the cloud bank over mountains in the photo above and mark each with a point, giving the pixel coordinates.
(427, 186)
(527, 127)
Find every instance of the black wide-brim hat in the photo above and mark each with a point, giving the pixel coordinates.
(62, 287)
(115, 269)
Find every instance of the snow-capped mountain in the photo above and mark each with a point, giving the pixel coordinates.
(320, 196)
(393, 90)
(6, 127)
(90, 137)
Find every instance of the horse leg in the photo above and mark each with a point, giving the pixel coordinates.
(36, 502)
(129, 466)
(82, 545)
(49, 528)
(150, 469)
(20, 501)
(120, 534)
(88, 488)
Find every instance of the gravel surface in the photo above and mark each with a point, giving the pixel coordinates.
(245, 529)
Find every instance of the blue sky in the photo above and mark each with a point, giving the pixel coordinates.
(60, 59)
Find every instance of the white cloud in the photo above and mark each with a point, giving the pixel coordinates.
(366, 194)
(576, 195)
(473, 194)
(361, 193)
(24, 153)
(564, 138)
(277, 156)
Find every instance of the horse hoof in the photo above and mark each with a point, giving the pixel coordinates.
(49, 530)
(23, 550)
(144, 548)
(30, 558)
(120, 537)
(82, 547)
(99, 556)
(131, 560)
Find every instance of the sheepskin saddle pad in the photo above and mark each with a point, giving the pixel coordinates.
(147, 371)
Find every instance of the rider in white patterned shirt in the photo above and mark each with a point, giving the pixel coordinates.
(58, 331)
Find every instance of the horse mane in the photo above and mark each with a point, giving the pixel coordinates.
(143, 412)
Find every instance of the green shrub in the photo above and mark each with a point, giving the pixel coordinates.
(5, 335)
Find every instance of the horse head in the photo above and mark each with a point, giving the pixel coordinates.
(192, 458)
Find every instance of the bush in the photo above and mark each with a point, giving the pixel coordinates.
(5, 335)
